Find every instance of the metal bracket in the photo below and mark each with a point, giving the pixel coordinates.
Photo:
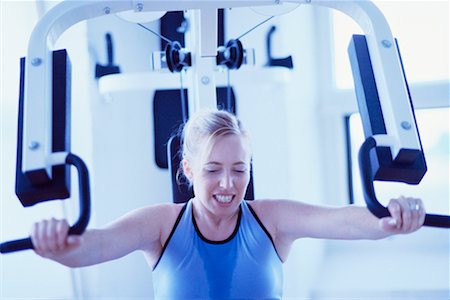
(37, 113)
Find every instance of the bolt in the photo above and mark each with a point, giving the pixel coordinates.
(139, 6)
(205, 80)
(33, 145)
(107, 10)
(406, 125)
(386, 43)
(36, 61)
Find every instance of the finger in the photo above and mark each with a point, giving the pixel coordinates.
(35, 237)
(42, 237)
(407, 207)
(62, 229)
(421, 212)
(396, 213)
(51, 235)
(415, 213)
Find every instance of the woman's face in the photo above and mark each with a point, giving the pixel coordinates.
(221, 178)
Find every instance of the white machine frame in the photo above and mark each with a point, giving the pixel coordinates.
(37, 137)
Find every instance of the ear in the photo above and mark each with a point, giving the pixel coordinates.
(187, 169)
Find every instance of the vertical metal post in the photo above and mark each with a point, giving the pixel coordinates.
(202, 42)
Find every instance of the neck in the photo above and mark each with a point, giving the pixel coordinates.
(214, 221)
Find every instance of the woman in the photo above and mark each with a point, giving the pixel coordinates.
(217, 245)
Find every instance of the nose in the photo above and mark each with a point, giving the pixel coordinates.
(226, 181)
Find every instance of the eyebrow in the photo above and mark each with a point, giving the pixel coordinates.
(219, 164)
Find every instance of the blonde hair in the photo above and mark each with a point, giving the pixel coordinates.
(204, 128)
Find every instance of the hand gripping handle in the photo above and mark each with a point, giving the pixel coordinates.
(85, 208)
(369, 191)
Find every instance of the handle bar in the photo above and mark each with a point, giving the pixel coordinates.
(85, 208)
(373, 204)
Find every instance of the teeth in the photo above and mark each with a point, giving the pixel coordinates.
(223, 198)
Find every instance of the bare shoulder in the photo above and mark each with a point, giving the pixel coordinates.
(154, 223)
(168, 213)
(150, 222)
(268, 207)
(265, 210)
(163, 213)
(146, 228)
(262, 206)
(273, 212)
(168, 208)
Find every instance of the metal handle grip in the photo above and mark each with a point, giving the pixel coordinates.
(369, 191)
(85, 208)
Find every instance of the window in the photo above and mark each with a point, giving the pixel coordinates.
(434, 189)
(422, 30)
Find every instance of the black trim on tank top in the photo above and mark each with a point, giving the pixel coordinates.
(238, 223)
(264, 229)
(171, 234)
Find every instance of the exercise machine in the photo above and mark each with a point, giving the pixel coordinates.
(392, 151)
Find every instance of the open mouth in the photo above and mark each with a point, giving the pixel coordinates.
(224, 198)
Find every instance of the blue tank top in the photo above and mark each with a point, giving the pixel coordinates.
(244, 266)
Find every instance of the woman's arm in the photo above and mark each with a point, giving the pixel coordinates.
(137, 230)
(291, 220)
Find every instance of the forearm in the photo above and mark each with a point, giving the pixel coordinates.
(360, 223)
(87, 253)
